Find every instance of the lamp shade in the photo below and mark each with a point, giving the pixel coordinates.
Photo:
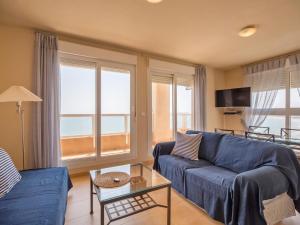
(18, 94)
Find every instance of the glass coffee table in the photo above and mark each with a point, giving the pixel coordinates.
(132, 197)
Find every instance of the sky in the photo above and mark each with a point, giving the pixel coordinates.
(78, 92)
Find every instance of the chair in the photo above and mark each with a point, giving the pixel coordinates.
(287, 133)
(224, 131)
(258, 129)
(260, 136)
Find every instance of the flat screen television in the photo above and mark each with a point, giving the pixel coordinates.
(237, 97)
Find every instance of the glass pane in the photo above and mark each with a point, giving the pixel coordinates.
(77, 120)
(295, 89)
(162, 120)
(115, 111)
(295, 97)
(184, 107)
(295, 124)
(146, 180)
(264, 97)
(76, 126)
(280, 99)
(275, 123)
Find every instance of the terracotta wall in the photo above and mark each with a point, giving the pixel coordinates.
(72, 146)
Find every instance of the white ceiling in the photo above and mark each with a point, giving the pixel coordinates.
(201, 31)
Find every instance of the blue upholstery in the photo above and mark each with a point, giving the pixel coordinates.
(163, 148)
(241, 154)
(210, 188)
(40, 198)
(250, 188)
(233, 176)
(173, 168)
(209, 145)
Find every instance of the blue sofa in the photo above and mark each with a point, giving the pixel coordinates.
(232, 176)
(40, 198)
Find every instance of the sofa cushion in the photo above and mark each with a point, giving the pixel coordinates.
(209, 144)
(9, 175)
(210, 187)
(173, 168)
(187, 146)
(240, 154)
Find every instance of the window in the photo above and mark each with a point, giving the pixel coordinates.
(97, 109)
(286, 109)
(172, 106)
(77, 121)
(275, 123)
(294, 90)
(115, 111)
(184, 104)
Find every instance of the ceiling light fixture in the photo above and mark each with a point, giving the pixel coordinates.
(154, 1)
(247, 31)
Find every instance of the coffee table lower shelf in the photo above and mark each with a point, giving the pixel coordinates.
(130, 206)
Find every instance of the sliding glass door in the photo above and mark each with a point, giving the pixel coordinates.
(115, 111)
(78, 110)
(97, 109)
(172, 106)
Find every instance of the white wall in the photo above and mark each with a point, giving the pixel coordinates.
(214, 116)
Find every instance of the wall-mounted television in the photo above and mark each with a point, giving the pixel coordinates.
(237, 97)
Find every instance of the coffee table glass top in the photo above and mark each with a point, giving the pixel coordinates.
(142, 177)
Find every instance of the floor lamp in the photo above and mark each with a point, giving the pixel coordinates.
(19, 94)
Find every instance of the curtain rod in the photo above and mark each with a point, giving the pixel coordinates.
(272, 58)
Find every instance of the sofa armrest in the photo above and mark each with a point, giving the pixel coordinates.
(163, 148)
(265, 177)
(250, 188)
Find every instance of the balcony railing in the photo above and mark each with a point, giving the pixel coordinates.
(78, 134)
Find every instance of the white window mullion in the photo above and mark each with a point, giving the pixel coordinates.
(98, 112)
(174, 97)
(288, 102)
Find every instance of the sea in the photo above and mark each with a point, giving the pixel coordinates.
(83, 126)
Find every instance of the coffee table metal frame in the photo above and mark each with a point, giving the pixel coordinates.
(134, 195)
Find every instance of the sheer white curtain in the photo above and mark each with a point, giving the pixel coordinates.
(294, 67)
(200, 87)
(46, 135)
(264, 79)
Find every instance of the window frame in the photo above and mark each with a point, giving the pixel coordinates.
(287, 112)
(77, 60)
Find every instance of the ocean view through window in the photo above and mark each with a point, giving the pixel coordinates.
(85, 94)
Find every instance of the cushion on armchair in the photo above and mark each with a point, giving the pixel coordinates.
(9, 175)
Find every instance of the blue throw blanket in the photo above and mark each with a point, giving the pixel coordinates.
(264, 170)
(39, 198)
(274, 170)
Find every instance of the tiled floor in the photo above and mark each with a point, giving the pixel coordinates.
(183, 212)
